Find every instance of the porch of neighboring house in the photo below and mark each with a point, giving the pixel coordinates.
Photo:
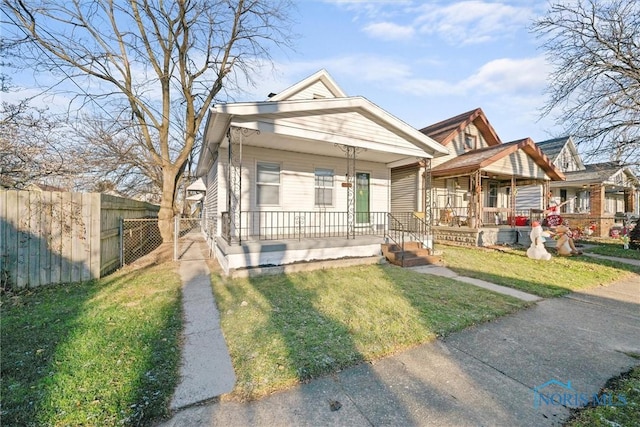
(600, 207)
(479, 209)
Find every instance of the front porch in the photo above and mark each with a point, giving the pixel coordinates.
(259, 239)
(262, 254)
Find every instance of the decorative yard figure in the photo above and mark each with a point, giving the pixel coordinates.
(564, 244)
(625, 241)
(537, 249)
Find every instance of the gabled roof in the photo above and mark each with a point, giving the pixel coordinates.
(197, 185)
(255, 112)
(321, 77)
(445, 131)
(553, 147)
(483, 157)
(302, 123)
(600, 173)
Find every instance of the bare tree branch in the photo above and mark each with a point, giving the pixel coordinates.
(30, 149)
(155, 59)
(594, 90)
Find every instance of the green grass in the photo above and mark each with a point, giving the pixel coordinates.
(285, 329)
(99, 353)
(552, 278)
(628, 385)
(613, 248)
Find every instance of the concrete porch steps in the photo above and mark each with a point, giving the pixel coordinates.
(414, 254)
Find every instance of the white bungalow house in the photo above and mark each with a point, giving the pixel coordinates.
(302, 176)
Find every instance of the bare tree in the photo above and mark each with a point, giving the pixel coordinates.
(156, 60)
(594, 90)
(115, 159)
(30, 146)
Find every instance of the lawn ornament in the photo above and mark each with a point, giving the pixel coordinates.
(537, 249)
(564, 243)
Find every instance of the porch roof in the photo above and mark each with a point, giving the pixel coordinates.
(601, 173)
(315, 126)
(484, 157)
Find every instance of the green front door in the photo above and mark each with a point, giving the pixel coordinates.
(362, 198)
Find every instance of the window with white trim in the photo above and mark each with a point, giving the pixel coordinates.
(324, 187)
(268, 184)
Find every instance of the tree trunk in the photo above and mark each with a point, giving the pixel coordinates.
(166, 213)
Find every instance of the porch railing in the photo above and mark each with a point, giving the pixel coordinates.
(461, 216)
(285, 225)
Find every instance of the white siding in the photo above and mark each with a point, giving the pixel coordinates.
(318, 89)
(518, 164)
(352, 125)
(565, 161)
(458, 147)
(210, 212)
(297, 180)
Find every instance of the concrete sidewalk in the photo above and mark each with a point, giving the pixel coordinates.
(205, 366)
(610, 258)
(481, 376)
(445, 272)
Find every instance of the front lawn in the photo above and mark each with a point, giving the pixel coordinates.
(99, 353)
(513, 268)
(627, 411)
(285, 329)
(613, 248)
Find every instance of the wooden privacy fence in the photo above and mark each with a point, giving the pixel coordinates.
(55, 237)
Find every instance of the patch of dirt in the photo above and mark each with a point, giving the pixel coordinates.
(160, 255)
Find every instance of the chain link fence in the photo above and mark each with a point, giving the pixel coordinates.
(138, 237)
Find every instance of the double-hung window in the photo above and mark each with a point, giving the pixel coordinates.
(268, 184)
(324, 187)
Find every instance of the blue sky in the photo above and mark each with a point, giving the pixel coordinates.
(425, 61)
(422, 61)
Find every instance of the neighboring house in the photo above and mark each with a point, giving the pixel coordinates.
(475, 185)
(591, 193)
(303, 176)
(195, 196)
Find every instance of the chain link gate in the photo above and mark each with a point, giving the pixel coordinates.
(186, 230)
(138, 237)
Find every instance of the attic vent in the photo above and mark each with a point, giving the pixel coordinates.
(318, 96)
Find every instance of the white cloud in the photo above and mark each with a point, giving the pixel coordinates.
(509, 75)
(500, 76)
(389, 31)
(471, 22)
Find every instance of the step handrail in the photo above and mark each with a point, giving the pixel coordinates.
(393, 220)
